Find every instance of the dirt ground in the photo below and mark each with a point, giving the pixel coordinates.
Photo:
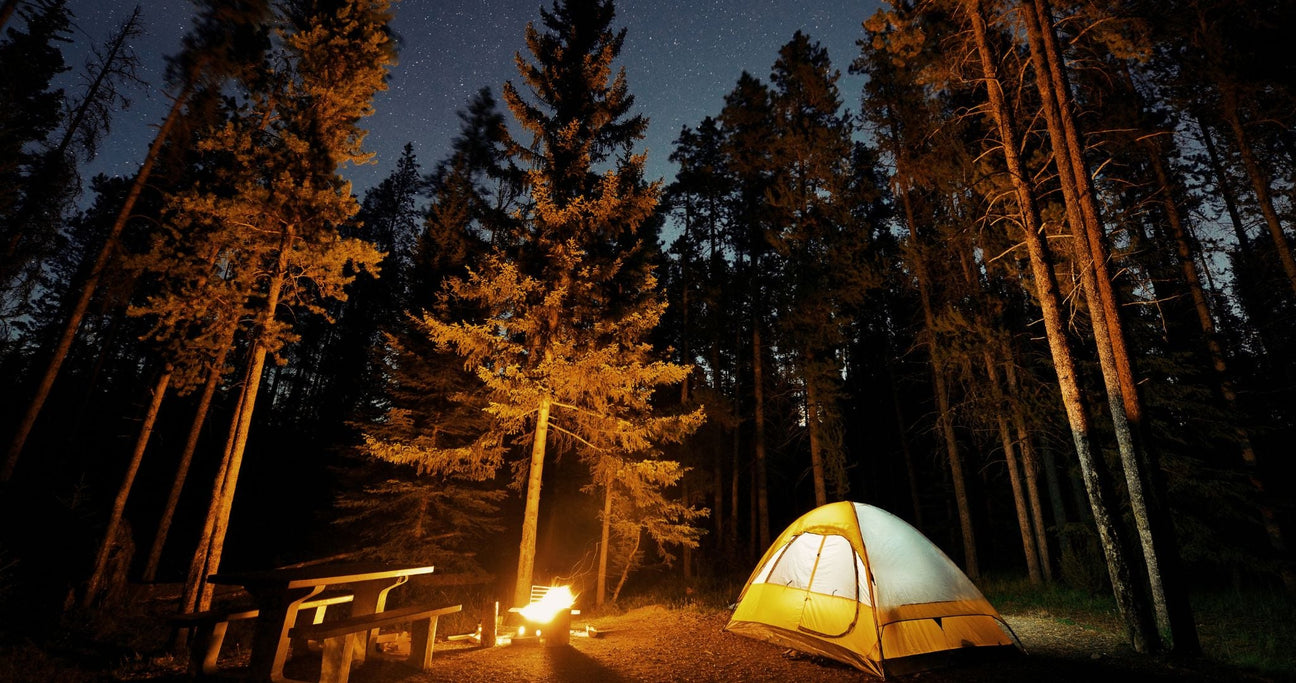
(659, 644)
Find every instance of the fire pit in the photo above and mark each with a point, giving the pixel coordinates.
(548, 617)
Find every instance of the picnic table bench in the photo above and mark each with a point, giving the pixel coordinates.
(341, 637)
(281, 593)
(207, 628)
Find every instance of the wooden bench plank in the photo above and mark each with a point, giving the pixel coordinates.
(366, 622)
(214, 615)
(340, 636)
(208, 627)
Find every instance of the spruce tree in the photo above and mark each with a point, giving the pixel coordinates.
(30, 112)
(430, 402)
(815, 236)
(567, 300)
(278, 203)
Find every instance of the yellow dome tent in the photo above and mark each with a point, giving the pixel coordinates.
(855, 583)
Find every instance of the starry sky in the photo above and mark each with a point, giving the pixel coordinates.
(681, 57)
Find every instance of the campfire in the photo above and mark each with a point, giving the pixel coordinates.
(548, 616)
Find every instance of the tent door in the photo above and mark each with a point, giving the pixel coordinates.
(832, 598)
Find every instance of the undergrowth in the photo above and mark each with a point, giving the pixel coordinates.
(1252, 629)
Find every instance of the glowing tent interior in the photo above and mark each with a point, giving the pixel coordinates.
(855, 583)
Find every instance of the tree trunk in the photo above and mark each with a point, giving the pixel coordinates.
(1225, 189)
(195, 589)
(816, 448)
(1055, 93)
(758, 391)
(731, 541)
(943, 415)
(721, 539)
(717, 501)
(1140, 462)
(1109, 337)
(186, 458)
(1259, 180)
(97, 577)
(753, 522)
(929, 321)
(225, 503)
(946, 419)
(601, 590)
(88, 288)
(1031, 469)
(531, 518)
(1049, 466)
(1014, 472)
(247, 406)
(78, 116)
(628, 565)
(1184, 253)
(911, 470)
(1132, 609)
(686, 553)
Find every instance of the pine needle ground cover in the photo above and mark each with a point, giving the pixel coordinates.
(1249, 629)
(675, 635)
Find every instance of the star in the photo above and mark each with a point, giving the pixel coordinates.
(681, 58)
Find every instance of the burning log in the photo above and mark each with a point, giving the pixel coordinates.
(548, 618)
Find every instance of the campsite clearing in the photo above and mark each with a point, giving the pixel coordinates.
(656, 643)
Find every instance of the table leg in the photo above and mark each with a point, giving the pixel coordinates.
(270, 637)
(370, 597)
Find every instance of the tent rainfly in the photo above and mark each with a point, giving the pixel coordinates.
(855, 583)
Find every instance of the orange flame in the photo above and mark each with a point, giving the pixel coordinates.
(558, 598)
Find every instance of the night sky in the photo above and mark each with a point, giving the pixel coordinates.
(681, 58)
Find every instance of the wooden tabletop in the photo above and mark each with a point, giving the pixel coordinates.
(320, 574)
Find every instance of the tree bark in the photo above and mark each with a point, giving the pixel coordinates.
(247, 406)
(195, 590)
(1140, 462)
(943, 416)
(1092, 256)
(911, 470)
(1030, 467)
(601, 590)
(1259, 180)
(1014, 471)
(628, 565)
(186, 459)
(531, 517)
(97, 577)
(1225, 188)
(816, 448)
(1055, 92)
(717, 501)
(758, 391)
(1184, 253)
(735, 475)
(946, 419)
(721, 540)
(1132, 609)
(88, 288)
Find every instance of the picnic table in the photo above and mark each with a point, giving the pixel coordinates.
(279, 592)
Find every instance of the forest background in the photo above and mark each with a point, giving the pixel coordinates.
(1035, 295)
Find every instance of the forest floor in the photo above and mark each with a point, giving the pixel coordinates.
(658, 643)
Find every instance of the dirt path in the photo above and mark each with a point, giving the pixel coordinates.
(659, 644)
